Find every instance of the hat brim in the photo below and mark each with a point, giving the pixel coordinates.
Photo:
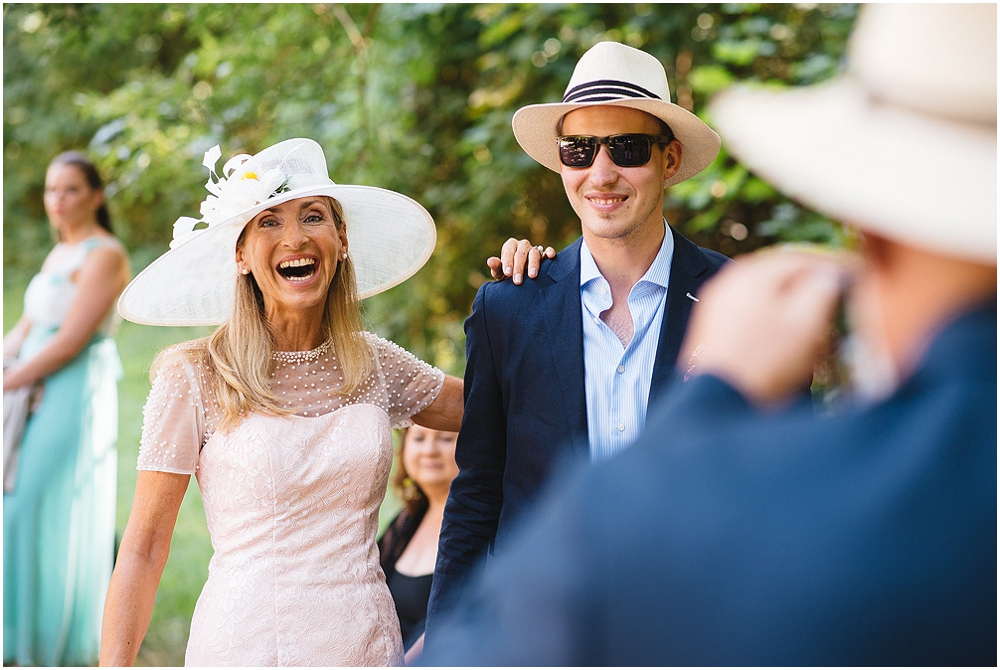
(391, 236)
(918, 179)
(535, 129)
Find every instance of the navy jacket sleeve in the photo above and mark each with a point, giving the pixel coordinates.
(473, 508)
(525, 413)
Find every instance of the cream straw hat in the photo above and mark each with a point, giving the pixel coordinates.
(193, 284)
(618, 75)
(904, 143)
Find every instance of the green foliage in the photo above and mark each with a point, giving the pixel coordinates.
(413, 97)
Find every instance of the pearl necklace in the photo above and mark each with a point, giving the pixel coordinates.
(296, 357)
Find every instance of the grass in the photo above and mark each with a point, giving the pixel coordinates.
(191, 549)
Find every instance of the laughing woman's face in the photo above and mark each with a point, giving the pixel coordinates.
(293, 250)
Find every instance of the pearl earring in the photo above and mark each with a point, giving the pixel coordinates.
(245, 271)
(345, 255)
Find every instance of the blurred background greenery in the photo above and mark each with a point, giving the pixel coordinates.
(413, 97)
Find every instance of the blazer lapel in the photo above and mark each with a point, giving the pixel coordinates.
(564, 325)
(687, 272)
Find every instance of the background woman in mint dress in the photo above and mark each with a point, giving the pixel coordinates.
(59, 519)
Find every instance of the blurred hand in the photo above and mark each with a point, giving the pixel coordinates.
(414, 652)
(12, 378)
(763, 322)
(514, 256)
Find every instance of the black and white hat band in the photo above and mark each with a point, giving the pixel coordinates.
(605, 90)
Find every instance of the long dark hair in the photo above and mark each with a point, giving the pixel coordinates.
(93, 177)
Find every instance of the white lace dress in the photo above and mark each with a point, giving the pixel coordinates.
(292, 508)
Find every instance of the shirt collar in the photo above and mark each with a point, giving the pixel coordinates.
(658, 273)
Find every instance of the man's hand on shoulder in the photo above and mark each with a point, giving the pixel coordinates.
(515, 256)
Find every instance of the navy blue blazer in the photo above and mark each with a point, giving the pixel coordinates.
(766, 539)
(525, 400)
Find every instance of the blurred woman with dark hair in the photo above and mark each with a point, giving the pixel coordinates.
(60, 476)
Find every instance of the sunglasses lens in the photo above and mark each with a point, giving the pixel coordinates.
(629, 150)
(577, 151)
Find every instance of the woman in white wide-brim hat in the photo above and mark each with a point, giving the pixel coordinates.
(283, 414)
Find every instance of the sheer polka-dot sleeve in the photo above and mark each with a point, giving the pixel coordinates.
(411, 384)
(173, 423)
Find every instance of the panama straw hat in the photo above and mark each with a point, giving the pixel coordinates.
(903, 144)
(193, 284)
(618, 75)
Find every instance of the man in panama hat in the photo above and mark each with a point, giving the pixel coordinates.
(765, 535)
(564, 367)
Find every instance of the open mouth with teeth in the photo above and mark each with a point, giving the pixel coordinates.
(608, 201)
(298, 269)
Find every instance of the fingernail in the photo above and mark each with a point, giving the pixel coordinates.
(532, 273)
(517, 279)
(507, 270)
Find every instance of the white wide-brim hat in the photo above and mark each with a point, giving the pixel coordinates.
(903, 144)
(618, 75)
(194, 283)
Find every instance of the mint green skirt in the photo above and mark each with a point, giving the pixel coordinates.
(59, 522)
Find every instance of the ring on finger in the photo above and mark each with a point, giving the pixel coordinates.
(540, 249)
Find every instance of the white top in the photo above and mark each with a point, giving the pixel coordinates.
(51, 292)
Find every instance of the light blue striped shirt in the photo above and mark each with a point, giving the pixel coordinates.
(618, 377)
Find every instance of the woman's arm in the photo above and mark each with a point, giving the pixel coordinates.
(141, 557)
(13, 340)
(99, 281)
(445, 413)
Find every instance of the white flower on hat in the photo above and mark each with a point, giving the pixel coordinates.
(185, 228)
(239, 189)
(212, 157)
(236, 191)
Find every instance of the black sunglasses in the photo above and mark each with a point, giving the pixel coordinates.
(626, 150)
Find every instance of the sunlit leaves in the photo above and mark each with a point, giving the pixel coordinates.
(413, 97)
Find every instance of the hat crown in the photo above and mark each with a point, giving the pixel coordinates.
(300, 160)
(612, 71)
(934, 59)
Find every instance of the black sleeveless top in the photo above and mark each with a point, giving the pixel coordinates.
(409, 593)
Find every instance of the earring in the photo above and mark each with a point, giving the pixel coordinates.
(245, 271)
(410, 490)
(345, 255)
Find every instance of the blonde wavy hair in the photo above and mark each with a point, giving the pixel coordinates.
(238, 354)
